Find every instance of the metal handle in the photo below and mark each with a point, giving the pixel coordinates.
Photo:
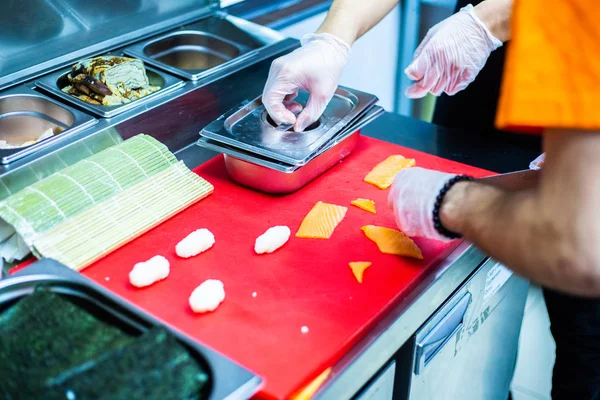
(434, 341)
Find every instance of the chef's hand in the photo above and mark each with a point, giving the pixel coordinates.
(315, 67)
(451, 55)
(412, 197)
(538, 163)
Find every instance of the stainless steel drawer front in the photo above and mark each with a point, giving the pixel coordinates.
(433, 342)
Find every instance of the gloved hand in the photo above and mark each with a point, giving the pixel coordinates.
(315, 67)
(538, 163)
(412, 197)
(451, 55)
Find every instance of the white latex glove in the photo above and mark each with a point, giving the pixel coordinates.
(412, 198)
(315, 67)
(451, 55)
(538, 163)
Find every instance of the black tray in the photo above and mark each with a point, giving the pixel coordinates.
(227, 380)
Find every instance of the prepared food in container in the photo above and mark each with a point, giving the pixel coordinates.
(109, 80)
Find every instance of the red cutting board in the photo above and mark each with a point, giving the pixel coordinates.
(305, 283)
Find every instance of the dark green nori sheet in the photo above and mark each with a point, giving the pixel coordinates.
(52, 349)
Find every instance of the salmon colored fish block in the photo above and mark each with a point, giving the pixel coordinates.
(384, 173)
(391, 241)
(320, 222)
(358, 269)
(364, 204)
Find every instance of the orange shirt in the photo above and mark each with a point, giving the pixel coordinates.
(552, 71)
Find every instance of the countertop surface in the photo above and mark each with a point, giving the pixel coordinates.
(487, 150)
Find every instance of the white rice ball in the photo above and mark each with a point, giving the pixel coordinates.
(272, 239)
(195, 243)
(207, 296)
(147, 272)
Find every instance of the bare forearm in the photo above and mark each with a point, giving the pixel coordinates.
(548, 234)
(499, 223)
(350, 19)
(496, 14)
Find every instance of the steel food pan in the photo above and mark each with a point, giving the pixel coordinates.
(246, 156)
(192, 51)
(367, 117)
(227, 379)
(55, 82)
(249, 128)
(272, 176)
(268, 180)
(216, 43)
(25, 115)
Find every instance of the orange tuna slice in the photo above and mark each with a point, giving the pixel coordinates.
(320, 222)
(391, 241)
(358, 269)
(364, 204)
(384, 173)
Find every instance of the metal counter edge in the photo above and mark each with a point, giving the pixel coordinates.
(356, 368)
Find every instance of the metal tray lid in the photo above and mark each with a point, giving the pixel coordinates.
(48, 34)
(249, 127)
(369, 116)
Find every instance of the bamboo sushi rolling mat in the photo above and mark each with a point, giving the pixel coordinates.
(83, 212)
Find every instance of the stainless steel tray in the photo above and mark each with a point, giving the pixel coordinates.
(246, 156)
(40, 35)
(227, 379)
(250, 128)
(26, 114)
(217, 43)
(53, 83)
(271, 176)
(268, 180)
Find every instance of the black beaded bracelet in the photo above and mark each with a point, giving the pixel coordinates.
(437, 222)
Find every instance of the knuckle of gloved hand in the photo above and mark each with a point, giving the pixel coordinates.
(277, 64)
(275, 107)
(288, 69)
(282, 66)
(321, 96)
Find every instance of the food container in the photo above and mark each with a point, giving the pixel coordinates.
(249, 128)
(272, 176)
(227, 379)
(217, 43)
(193, 51)
(55, 82)
(25, 115)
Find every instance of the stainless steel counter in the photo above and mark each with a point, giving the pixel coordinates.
(49, 34)
(377, 348)
(175, 118)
